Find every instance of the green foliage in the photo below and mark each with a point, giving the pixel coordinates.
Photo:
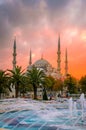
(54, 84)
(58, 86)
(35, 76)
(82, 83)
(49, 83)
(16, 78)
(70, 82)
(4, 81)
(24, 86)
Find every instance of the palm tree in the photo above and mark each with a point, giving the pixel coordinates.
(36, 77)
(16, 78)
(4, 84)
(24, 85)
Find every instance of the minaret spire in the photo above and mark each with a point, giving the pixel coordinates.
(30, 59)
(59, 60)
(14, 54)
(42, 56)
(66, 63)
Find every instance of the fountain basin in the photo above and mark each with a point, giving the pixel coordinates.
(21, 114)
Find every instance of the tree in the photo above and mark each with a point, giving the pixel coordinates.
(54, 84)
(16, 78)
(36, 77)
(50, 82)
(24, 85)
(70, 82)
(4, 82)
(82, 83)
(58, 86)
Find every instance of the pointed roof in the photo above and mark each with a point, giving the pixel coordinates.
(30, 58)
(14, 42)
(66, 63)
(59, 43)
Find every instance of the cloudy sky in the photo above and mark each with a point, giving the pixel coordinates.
(36, 25)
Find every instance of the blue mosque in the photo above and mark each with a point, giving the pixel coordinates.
(44, 65)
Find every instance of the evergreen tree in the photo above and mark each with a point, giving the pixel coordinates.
(83, 84)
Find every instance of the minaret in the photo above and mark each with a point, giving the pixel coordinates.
(42, 56)
(14, 54)
(30, 59)
(66, 63)
(59, 60)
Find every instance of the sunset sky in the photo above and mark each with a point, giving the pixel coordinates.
(36, 25)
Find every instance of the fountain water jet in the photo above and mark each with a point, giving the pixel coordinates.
(75, 108)
(71, 106)
(82, 99)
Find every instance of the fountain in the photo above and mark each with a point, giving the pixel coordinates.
(71, 106)
(24, 114)
(75, 108)
(82, 99)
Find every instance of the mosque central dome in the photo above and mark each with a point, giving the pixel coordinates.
(42, 63)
